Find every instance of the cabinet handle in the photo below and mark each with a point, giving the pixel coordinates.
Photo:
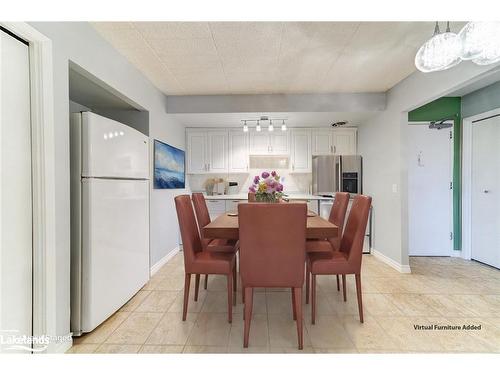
(208, 169)
(334, 149)
(293, 167)
(331, 149)
(236, 201)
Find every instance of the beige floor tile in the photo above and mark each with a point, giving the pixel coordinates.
(341, 307)
(205, 349)
(102, 332)
(153, 282)
(136, 329)
(172, 282)
(210, 329)
(413, 304)
(157, 301)
(328, 332)
(118, 349)
(481, 306)
(250, 349)
(379, 304)
(215, 283)
(83, 349)
(136, 300)
(367, 335)
(445, 306)
(193, 306)
(171, 330)
(216, 302)
(259, 331)
(488, 334)
(290, 350)
(283, 332)
(161, 349)
(279, 303)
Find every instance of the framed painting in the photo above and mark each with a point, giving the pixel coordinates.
(169, 167)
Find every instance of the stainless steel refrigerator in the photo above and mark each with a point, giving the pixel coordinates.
(332, 173)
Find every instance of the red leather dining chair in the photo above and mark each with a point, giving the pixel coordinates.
(272, 254)
(218, 245)
(197, 261)
(337, 217)
(347, 260)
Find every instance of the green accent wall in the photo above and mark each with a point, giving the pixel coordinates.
(448, 108)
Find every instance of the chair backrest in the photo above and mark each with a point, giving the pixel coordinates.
(355, 229)
(202, 215)
(272, 244)
(337, 215)
(251, 197)
(191, 242)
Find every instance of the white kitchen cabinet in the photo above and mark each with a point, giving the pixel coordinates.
(207, 151)
(344, 141)
(232, 205)
(238, 152)
(196, 156)
(334, 141)
(300, 151)
(269, 143)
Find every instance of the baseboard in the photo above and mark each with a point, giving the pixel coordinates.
(155, 267)
(391, 262)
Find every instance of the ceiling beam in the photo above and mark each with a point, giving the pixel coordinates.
(336, 102)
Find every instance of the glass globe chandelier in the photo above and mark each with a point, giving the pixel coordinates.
(480, 42)
(440, 52)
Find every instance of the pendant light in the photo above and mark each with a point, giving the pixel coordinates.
(245, 126)
(258, 128)
(480, 42)
(440, 52)
(283, 126)
(271, 127)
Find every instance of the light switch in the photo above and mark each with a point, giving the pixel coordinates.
(394, 188)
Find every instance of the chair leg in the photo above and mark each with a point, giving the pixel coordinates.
(360, 298)
(196, 287)
(308, 278)
(313, 299)
(187, 282)
(248, 315)
(206, 282)
(230, 298)
(235, 281)
(344, 288)
(294, 306)
(297, 292)
(338, 283)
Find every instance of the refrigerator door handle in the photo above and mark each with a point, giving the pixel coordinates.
(340, 185)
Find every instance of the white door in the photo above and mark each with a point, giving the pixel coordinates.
(238, 151)
(429, 195)
(344, 141)
(196, 152)
(485, 198)
(15, 192)
(279, 143)
(322, 142)
(217, 151)
(259, 143)
(301, 157)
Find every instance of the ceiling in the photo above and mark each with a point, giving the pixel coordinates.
(210, 58)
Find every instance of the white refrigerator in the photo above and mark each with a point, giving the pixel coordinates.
(109, 217)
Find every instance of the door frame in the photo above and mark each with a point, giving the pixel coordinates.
(467, 179)
(451, 252)
(43, 183)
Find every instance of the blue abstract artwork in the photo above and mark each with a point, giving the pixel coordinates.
(169, 167)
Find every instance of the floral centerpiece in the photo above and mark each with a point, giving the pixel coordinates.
(267, 187)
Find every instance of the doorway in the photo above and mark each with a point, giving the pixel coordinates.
(482, 193)
(430, 196)
(16, 221)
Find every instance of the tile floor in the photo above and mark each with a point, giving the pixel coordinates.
(441, 291)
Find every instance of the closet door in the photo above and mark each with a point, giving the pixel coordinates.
(15, 192)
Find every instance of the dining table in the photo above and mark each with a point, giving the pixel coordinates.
(226, 226)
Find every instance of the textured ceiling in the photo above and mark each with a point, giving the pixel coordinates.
(208, 58)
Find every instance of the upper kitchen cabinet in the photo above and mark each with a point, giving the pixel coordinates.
(207, 151)
(300, 151)
(334, 141)
(238, 152)
(269, 143)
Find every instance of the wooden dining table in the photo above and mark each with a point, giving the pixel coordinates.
(226, 226)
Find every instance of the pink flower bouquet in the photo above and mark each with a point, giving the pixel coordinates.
(267, 187)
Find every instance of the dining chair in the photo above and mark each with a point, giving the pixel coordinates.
(337, 217)
(347, 260)
(217, 245)
(272, 254)
(197, 261)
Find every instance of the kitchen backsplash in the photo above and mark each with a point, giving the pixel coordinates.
(293, 182)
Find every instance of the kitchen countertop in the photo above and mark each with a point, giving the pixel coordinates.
(292, 196)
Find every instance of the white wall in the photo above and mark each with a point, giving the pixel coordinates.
(382, 140)
(77, 41)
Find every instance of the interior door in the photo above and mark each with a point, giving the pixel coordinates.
(15, 193)
(485, 199)
(430, 208)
